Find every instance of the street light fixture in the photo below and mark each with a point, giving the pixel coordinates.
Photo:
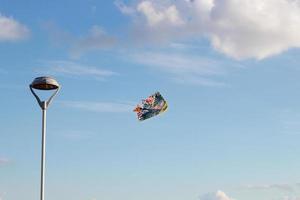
(44, 83)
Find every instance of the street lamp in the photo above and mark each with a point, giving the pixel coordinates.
(44, 83)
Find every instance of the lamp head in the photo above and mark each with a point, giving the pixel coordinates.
(44, 83)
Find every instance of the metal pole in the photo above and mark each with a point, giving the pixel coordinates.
(44, 83)
(44, 108)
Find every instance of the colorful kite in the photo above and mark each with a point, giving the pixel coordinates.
(150, 107)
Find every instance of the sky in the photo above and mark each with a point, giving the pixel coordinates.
(229, 70)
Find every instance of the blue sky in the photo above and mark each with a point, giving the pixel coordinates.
(228, 69)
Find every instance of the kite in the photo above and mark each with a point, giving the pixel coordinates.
(151, 106)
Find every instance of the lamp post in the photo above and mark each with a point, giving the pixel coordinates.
(44, 83)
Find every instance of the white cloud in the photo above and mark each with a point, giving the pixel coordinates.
(96, 39)
(239, 29)
(178, 63)
(256, 28)
(222, 196)
(4, 161)
(276, 191)
(267, 191)
(282, 187)
(199, 81)
(124, 8)
(12, 30)
(184, 68)
(67, 68)
(219, 195)
(169, 15)
(290, 198)
(108, 107)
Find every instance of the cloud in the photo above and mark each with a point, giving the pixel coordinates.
(107, 107)
(277, 191)
(170, 15)
(199, 81)
(2, 195)
(58, 36)
(219, 195)
(12, 30)
(124, 8)
(239, 29)
(178, 63)
(96, 39)
(72, 69)
(222, 196)
(184, 68)
(290, 198)
(4, 161)
(282, 187)
(267, 191)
